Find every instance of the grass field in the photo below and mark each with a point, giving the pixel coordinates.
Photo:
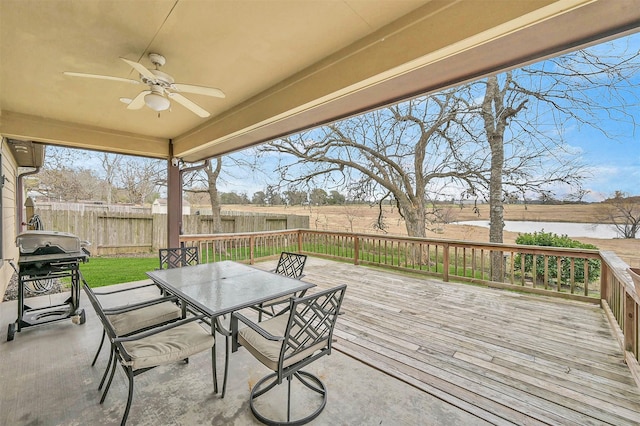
(101, 271)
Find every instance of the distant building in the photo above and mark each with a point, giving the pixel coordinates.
(160, 206)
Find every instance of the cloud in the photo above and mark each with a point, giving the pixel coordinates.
(608, 178)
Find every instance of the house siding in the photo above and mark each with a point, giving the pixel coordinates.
(9, 220)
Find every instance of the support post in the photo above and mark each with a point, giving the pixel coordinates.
(174, 204)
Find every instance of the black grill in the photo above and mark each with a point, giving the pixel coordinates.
(45, 256)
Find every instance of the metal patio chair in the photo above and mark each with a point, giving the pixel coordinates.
(178, 257)
(290, 265)
(134, 318)
(157, 311)
(139, 315)
(142, 351)
(289, 342)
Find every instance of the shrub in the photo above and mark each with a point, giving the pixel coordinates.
(549, 239)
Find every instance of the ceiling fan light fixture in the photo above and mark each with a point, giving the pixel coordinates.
(157, 102)
(162, 88)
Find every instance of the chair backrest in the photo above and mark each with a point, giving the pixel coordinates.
(310, 329)
(291, 264)
(178, 257)
(97, 306)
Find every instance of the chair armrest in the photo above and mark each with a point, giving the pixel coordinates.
(157, 330)
(262, 332)
(280, 301)
(134, 306)
(104, 293)
(221, 328)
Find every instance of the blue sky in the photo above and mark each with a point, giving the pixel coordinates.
(615, 164)
(614, 161)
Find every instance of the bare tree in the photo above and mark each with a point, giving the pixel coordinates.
(197, 195)
(351, 213)
(69, 184)
(623, 212)
(59, 158)
(524, 161)
(140, 178)
(111, 168)
(273, 195)
(259, 197)
(65, 176)
(491, 139)
(221, 170)
(295, 198)
(213, 170)
(527, 109)
(404, 151)
(63, 180)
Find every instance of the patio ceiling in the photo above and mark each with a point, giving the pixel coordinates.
(284, 65)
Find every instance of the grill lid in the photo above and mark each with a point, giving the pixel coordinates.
(47, 242)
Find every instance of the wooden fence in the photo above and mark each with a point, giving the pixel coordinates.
(125, 233)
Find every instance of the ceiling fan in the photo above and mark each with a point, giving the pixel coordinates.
(160, 84)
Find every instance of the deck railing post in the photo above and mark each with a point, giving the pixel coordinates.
(445, 262)
(630, 324)
(356, 250)
(299, 241)
(252, 242)
(604, 280)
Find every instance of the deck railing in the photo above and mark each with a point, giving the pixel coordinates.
(577, 274)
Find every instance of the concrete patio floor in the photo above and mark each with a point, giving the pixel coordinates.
(47, 379)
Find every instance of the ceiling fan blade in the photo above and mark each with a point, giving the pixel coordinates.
(138, 101)
(191, 106)
(141, 69)
(198, 90)
(100, 77)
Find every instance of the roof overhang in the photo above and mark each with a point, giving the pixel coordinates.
(26, 153)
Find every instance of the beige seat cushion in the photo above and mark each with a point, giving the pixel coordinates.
(168, 346)
(268, 351)
(138, 319)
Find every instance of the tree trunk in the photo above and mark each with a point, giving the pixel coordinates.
(495, 118)
(496, 213)
(216, 218)
(415, 221)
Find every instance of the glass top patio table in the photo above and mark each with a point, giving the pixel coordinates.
(223, 287)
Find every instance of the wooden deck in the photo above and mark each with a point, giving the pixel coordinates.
(505, 357)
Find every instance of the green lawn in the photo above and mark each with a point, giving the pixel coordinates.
(101, 271)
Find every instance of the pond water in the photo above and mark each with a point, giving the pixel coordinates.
(592, 230)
